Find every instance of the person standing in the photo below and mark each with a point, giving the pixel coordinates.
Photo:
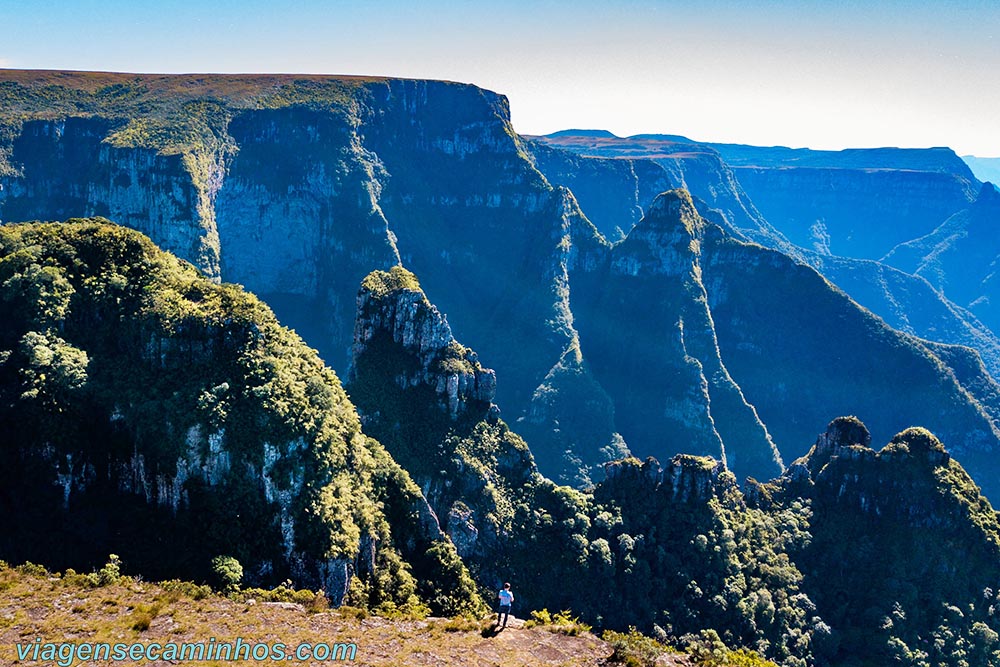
(506, 598)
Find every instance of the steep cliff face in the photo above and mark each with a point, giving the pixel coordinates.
(393, 304)
(152, 413)
(960, 256)
(67, 168)
(860, 213)
(316, 215)
(855, 202)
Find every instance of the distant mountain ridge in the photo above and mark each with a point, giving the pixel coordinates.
(986, 169)
(338, 177)
(910, 159)
(618, 183)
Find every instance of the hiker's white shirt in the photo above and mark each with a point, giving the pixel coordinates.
(506, 598)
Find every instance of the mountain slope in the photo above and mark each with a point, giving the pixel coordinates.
(909, 303)
(621, 188)
(145, 407)
(960, 256)
(800, 348)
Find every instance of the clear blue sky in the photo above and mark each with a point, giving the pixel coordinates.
(818, 74)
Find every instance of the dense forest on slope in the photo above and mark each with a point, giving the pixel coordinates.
(145, 407)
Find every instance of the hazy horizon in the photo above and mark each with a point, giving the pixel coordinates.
(769, 72)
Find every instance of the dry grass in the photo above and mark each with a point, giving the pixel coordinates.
(65, 610)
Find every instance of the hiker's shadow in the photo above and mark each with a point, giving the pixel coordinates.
(491, 631)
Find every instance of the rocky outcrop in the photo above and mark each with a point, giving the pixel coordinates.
(392, 303)
(653, 281)
(429, 400)
(686, 479)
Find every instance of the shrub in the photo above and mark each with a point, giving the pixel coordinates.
(143, 615)
(228, 573)
(32, 570)
(111, 573)
(562, 622)
(411, 610)
(318, 603)
(708, 650)
(357, 613)
(634, 649)
(186, 588)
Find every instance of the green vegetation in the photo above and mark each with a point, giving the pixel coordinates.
(172, 115)
(903, 552)
(634, 649)
(228, 573)
(380, 283)
(561, 622)
(147, 406)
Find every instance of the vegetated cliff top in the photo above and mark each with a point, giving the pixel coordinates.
(172, 112)
(381, 283)
(52, 93)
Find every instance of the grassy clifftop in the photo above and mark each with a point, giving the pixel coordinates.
(55, 607)
(169, 113)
